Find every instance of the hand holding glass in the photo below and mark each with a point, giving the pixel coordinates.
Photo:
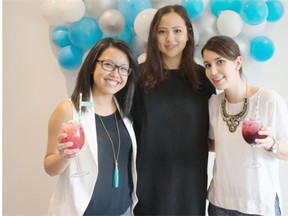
(75, 134)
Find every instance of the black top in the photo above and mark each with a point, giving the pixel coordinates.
(107, 200)
(171, 124)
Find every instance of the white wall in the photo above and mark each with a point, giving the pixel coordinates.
(33, 84)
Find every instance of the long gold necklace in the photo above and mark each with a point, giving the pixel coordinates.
(233, 121)
(115, 182)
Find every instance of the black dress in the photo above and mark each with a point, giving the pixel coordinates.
(171, 123)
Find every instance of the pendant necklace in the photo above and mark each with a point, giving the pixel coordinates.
(115, 181)
(233, 121)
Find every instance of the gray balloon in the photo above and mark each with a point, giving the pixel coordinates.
(96, 7)
(112, 22)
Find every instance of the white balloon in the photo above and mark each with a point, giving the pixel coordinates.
(196, 34)
(206, 24)
(71, 10)
(96, 7)
(243, 43)
(229, 23)
(252, 30)
(158, 4)
(142, 58)
(142, 23)
(139, 46)
(49, 11)
(112, 22)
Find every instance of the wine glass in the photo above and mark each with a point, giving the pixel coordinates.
(250, 128)
(75, 134)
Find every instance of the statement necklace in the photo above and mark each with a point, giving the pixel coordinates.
(115, 181)
(233, 121)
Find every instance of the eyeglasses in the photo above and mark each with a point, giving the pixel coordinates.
(109, 66)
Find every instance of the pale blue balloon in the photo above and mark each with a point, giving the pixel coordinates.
(275, 10)
(254, 12)
(84, 33)
(193, 7)
(60, 37)
(130, 9)
(70, 57)
(261, 48)
(216, 6)
(126, 35)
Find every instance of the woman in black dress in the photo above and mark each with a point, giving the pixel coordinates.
(170, 115)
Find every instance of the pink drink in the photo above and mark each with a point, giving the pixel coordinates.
(75, 134)
(250, 130)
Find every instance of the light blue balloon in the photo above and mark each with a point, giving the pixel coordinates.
(254, 12)
(70, 57)
(60, 37)
(275, 10)
(261, 48)
(193, 7)
(130, 9)
(127, 35)
(216, 6)
(84, 33)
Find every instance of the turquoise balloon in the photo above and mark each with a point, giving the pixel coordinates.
(254, 12)
(275, 10)
(261, 48)
(60, 37)
(216, 6)
(130, 9)
(127, 35)
(70, 57)
(84, 33)
(193, 7)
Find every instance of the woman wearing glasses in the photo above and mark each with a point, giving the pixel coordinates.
(106, 81)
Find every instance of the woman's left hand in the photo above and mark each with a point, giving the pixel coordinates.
(266, 140)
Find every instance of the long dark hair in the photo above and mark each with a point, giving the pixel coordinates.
(223, 46)
(153, 70)
(85, 80)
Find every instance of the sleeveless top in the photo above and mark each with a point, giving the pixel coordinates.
(106, 199)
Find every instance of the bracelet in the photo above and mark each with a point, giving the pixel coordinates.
(270, 149)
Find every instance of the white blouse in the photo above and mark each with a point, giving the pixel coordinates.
(234, 186)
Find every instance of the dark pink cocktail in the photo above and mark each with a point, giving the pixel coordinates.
(250, 129)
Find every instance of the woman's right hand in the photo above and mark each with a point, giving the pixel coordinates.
(63, 148)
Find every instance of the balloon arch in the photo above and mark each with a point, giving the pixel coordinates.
(76, 25)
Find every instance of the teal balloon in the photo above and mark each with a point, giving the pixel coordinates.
(70, 57)
(84, 33)
(254, 12)
(193, 7)
(130, 9)
(216, 6)
(127, 35)
(275, 10)
(60, 37)
(261, 48)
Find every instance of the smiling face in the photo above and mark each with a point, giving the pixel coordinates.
(109, 83)
(221, 72)
(172, 37)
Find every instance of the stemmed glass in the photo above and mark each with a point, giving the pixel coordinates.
(75, 134)
(250, 128)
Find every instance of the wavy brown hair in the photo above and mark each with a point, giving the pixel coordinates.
(153, 70)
